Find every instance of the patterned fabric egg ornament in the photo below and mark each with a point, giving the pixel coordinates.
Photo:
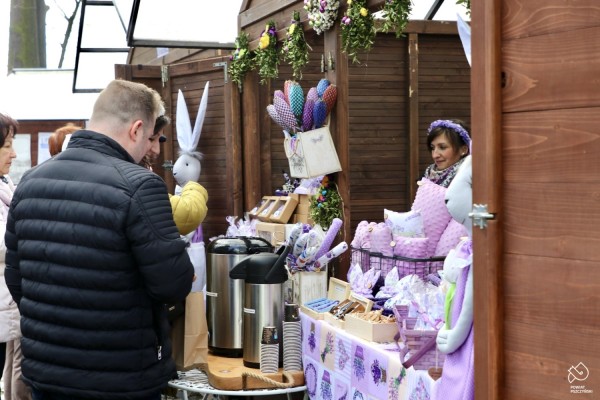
(312, 94)
(321, 86)
(280, 94)
(319, 113)
(286, 90)
(330, 96)
(297, 100)
(274, 116)
(307, 116)
(285, 112)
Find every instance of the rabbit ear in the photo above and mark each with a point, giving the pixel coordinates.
(200, 117)
(183, 125)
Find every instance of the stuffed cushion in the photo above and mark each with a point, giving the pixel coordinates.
(411, 247)
(450, 238)
(408, 224)
(362, 235)
(430, 202)
(381, 237)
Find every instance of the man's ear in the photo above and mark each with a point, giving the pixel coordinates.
(136, 130)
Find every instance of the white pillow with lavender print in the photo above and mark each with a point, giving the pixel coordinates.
(407, 224)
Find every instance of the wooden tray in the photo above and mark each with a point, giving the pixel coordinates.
(230, 373)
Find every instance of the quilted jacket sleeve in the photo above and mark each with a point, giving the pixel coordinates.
(157, 246)
(12, 274)
(189, 208)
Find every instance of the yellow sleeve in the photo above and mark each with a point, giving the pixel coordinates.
(189, 207)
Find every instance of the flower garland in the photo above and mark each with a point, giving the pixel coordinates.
(466, 3)
(295, 48)
(321, 14)
(358, 29)
(326, 204)
(241, 60)
(396, 14)
(267, 54)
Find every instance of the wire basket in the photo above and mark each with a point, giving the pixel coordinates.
(422, 267)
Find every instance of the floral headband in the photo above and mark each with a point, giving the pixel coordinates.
(445, 123)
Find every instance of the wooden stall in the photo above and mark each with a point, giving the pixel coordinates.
(385, 104)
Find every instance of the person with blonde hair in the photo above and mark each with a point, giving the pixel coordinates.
(93, 255)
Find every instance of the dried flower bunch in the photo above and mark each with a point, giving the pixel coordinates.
(295, 48)
(326, 205)
(321, 14)
(358, 29)
(396, 13)
(267, 54)
(241, 60)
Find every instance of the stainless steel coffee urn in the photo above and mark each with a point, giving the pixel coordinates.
(263, 276)
(225, 296)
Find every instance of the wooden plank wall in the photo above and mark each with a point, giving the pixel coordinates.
(551, 142)
(218, 164)
(380, 108)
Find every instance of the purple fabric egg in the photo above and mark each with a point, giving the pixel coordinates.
(312, 94)
(307, 116)
(319, 113)
(284, 111)
(274, 116)
(280, 94)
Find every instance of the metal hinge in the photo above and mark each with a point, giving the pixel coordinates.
(164, 74)
(224, 65)
(480, 215)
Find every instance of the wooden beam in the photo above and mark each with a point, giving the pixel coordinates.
(251, 152)
(486, 121)
(413, 117)
(340, 128)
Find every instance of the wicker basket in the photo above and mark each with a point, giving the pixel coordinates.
(406, 266)
(418, 344)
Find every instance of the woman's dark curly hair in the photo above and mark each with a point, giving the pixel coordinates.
(8, 127)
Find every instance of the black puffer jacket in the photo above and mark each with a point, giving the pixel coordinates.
(95, 254)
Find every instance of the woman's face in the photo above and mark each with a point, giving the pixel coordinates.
(7, 153)
(442, 152)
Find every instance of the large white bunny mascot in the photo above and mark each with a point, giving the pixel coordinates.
(188, 215)
(189, 201)
(456, 337)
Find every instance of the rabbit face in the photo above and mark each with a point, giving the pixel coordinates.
(186, 168)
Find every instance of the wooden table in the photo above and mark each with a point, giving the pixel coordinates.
(225, 377)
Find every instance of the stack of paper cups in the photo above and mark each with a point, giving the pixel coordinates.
(292, 339)
(269, 350)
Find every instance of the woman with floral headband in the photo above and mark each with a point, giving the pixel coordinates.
(449, 143)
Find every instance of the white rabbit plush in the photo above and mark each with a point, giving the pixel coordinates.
(456, 337)
(187, 167)
(189, 201)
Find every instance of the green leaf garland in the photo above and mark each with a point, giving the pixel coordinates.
(267, 54)
(358, 29)
(396, 13)
(241, 61)
(295, 48)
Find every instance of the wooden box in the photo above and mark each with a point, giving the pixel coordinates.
(380, 332)
(338, 290)
(267, 208)
(365, 306)
(283, 209)
(254, 212)
(271, 232)
(307, 286)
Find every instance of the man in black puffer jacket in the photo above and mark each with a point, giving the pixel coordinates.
(93, 255)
